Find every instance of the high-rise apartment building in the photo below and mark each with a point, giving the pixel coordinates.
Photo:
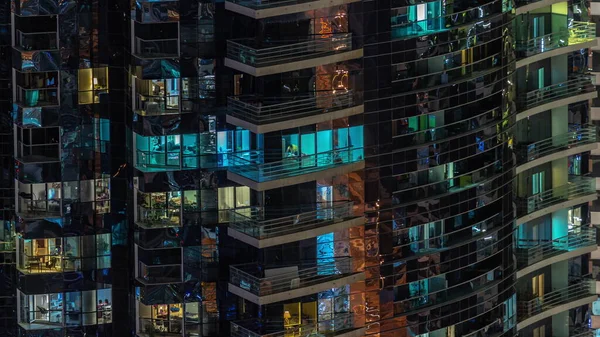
(254, 168)
(553, 139)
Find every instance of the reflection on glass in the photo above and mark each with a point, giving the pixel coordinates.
(66, 309)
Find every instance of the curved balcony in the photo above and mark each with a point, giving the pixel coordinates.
(274, 57)
(29, 207)
(500, 327)
(250, 169)
(263, 284)
(549, 149)
(267, 114)
(577, 191)
(338, 324)
(260, 9)
(267, 227)
(579, 88)
(580, 293)
(535, 254)
(576, 36)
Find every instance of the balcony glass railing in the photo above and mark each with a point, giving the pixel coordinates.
(579, 289)
(251, 277)
(327, 325)
(165, 273)
(36, 41)
(263, 223)
(577, 32)
(532, 251)
(37, 153)
(576, 86)
(248, 51)
(158, 218)
(147, 105)
(263, 110)
(161, 327)
(439, 295)
(37, 97)
(30, 207)
(529, 152)
(39, 264)
(576, 187)
(251, 164)
(156, 48)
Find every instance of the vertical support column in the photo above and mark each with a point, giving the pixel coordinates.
(560, 125)
(560, 324)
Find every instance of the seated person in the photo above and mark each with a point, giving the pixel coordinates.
(292, 150)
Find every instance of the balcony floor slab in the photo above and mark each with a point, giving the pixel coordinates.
(300, 235)
(294, 180)
(295, 293)
(295, 65)
(295, 122)
(553, 208)
(555, 52)
(557, 309)
(557, 155)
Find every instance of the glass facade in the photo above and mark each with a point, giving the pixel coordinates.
(296, 168)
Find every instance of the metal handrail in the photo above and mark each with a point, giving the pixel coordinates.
(255, 221)
(586, 135)
(532, 251)
(287, 51)
(574, 86)
(576, 187)
(260, 328)
(582, 288)
(251, 164)
(262, 110)
(568, 36)
(330, 269)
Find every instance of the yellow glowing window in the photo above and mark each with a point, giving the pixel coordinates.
(92, 84)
